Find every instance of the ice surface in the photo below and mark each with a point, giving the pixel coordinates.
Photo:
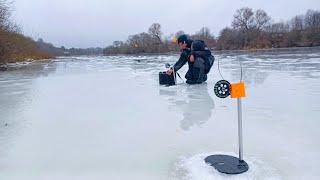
(107, 118)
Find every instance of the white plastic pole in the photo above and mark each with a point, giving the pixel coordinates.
(240, 129)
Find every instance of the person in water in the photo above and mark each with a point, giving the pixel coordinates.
(199, 60)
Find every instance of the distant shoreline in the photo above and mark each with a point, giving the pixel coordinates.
(270, 49)
(229, 51)
(4, 67)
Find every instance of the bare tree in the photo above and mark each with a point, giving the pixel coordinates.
(297, 23)
(243, 19)
(205, 35)
(312, 19)
(280, 27)
(261, 19)
(155, 31)
(243, 22)
(278, 34)
(4, 14)
(312, 27)
(117, 44)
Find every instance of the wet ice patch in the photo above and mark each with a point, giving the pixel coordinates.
(194, 168)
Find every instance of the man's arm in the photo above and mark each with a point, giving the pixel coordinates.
(182, 61)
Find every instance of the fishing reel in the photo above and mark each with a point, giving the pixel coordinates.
(222, 89)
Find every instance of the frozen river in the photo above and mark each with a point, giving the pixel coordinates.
(97, 118)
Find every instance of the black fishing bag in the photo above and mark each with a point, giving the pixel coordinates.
(165, 79)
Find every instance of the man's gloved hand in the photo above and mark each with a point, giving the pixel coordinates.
(169, 71)
(191, 58)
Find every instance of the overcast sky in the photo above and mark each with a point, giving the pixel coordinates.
(97, 23)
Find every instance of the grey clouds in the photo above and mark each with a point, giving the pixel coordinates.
(97, 23)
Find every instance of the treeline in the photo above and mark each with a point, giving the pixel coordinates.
(250, 30)
(14, 46)
(255, 30)
(154, 42)
(62, 51)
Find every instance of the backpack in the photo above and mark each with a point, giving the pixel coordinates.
(208, 63)
(199, 45)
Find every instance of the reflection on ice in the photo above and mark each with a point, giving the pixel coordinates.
(193, 101)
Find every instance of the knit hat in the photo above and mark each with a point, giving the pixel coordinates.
(182, 38)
